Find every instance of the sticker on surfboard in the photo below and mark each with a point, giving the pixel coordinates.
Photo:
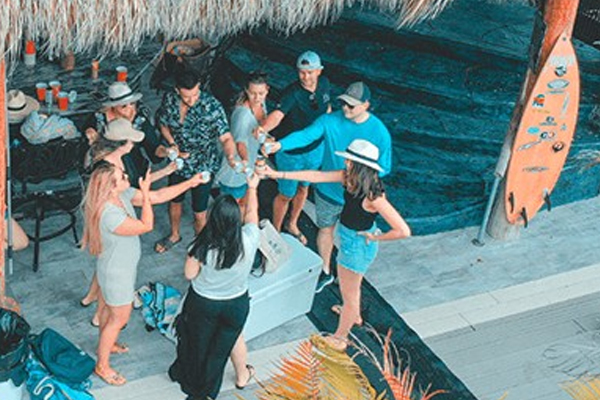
(544, 135)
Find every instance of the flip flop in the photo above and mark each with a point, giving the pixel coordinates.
(166, 244)
(119, 348)
(337, 309)
(116, 379)
(298, 235)
(251, 373)
(86, 305)
(93, 323)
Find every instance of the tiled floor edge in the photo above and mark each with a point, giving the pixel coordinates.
(469, 311)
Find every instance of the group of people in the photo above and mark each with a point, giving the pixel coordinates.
(345, 153)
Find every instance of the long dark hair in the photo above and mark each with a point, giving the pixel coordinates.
(361, 180)
(222, 233)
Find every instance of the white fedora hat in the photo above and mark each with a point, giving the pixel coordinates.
(363, 152)
(119, 93)
(122, 129)
(19, 106)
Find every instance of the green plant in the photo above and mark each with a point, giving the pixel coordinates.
(315, 371)
(584, 388)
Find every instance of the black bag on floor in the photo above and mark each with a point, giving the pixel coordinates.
(67, 362)
(14, 348)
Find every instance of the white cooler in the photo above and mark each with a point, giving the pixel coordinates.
(281, 296)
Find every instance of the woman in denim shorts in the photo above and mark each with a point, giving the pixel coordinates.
(357, 232)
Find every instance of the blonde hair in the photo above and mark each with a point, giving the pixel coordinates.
(99, 190)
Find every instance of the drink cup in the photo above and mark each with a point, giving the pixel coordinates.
(268, 147)
(29, 47)
(121, 74)
(63, 101)
(95, 69)
(261, 163)
(205, 176)
(262, 137)
(171, 154)
(238, 167)
(249, 171)
(40, 90)
(55, 86)
(179, 163)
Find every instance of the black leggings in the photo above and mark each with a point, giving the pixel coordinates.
(207, 330)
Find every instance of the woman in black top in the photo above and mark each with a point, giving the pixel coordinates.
(357, 232)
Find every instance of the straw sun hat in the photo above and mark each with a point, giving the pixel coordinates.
(122, 129)
(19, 106)
(119, 94)
(362, 152)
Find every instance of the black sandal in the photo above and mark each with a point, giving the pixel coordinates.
(251, 373)
(166, 244)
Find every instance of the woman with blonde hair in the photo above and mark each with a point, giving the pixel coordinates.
(119, 139)
(111, 233)
(357, 232)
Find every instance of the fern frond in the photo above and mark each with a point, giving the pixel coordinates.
(298, 377)
(584, 388)
(400, 379)
(342, 377)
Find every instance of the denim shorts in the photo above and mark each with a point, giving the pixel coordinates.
(328, 213)
(237, 192)
(354, 253)
(310, 160)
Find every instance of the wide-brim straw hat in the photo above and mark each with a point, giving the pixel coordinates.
(122, 129)
(119, 94)
(362, 152)
(19, 106)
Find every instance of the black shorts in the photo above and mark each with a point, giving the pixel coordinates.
(200, 193)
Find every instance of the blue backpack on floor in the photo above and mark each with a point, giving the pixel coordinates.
(43, 386)
(160, 304)
(65, 361)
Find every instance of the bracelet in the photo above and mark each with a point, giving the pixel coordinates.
(172, 144)
(283, 175)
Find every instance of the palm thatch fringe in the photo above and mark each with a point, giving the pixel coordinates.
(105, 26)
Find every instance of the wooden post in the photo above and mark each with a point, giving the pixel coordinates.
(553, 18)
(3, 135)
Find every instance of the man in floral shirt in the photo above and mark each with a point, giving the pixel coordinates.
(193, 123)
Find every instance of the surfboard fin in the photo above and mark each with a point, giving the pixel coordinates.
(547, 200)
(511, 200)
(524, 216)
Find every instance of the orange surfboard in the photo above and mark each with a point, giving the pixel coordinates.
(544, 135)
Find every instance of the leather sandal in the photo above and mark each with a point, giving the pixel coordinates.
(114, 379)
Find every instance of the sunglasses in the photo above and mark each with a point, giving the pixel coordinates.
(313, 101)
(345, 104)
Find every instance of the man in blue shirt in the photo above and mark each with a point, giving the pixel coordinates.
(301, 104)
(338, 130)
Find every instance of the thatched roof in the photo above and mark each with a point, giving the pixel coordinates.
(116, 25)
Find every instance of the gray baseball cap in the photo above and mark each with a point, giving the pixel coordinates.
(357, 93)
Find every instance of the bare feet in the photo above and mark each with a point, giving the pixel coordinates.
(337, 343)
(337, 309)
